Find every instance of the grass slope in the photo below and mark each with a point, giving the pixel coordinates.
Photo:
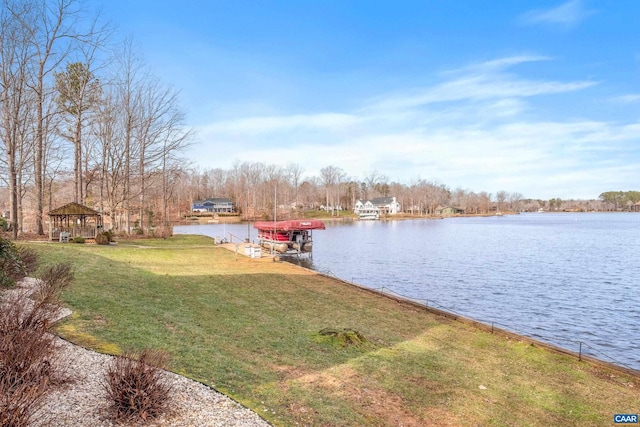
(250, 328)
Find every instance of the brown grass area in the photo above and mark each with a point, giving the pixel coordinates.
(364, 396)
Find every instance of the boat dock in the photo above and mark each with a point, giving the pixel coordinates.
(250, 250)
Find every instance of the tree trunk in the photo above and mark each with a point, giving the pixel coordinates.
(38, 166)
(78, 161)
(127, 168)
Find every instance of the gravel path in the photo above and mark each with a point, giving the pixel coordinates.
(81, 401)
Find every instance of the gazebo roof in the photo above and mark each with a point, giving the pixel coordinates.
(74, 209)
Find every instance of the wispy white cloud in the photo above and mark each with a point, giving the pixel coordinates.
(566, 15)
(500, 64)
(632, 98)
(481, 87)
(484, 81)
(476, 129)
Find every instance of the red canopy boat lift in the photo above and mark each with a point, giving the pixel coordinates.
(293, 237)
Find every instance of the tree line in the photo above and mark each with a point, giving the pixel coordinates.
(71, 94)
(619, 200)
(256, 188)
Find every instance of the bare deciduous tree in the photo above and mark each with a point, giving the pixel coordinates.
(375, 181)
(501, 198)
(52, 30)
(159, 135)
(294, 171)
(15, 57)
(332, 177)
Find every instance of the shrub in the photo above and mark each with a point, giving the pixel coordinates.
(162, 231)
(28, 357)
(25, 344)
(25, 375)
(29, 259)
(53, 280)
(78, 240)
(135, 386)
(102, 239)
(12, 267)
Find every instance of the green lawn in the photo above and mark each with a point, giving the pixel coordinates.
(250, 328)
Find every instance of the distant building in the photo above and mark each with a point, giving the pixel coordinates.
(366, 210)
(213, 205)
(382, 205)
(448, 211)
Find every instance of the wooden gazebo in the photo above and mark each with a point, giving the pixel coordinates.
(74, 220)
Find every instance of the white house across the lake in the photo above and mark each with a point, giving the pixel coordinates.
(375, 207)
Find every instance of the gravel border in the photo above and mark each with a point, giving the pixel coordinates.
(81, 401)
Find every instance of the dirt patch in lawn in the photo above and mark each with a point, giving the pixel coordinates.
(369, 400)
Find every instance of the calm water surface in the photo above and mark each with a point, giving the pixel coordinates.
(561, 278)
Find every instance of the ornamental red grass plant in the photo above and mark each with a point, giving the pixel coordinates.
(29, 258)
(29, 363)
(27, 360)
(136, 387)
(53, 280)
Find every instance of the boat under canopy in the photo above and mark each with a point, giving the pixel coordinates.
(288, 237)
(290, 225)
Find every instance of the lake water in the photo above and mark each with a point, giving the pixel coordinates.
(561, 278)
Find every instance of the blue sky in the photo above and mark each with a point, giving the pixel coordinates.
(541, 98)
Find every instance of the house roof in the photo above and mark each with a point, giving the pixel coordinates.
(379, 201)
(213, 200)
(73, 209)
(382, 200)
